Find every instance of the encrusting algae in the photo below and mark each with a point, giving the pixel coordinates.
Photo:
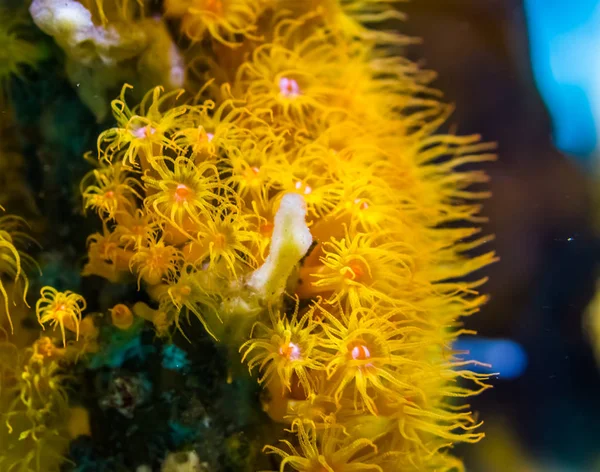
(299, 200)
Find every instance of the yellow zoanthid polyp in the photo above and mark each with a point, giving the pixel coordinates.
(222, 20)
(366, 353)
(108, 190)
(333, 451)
(291, 77)
(141, 130)
(33, 407)
(62, 309)
(286, 348)
(154, 260)
(121, 316)
(181, 192)
(229, 241)
(361, 270)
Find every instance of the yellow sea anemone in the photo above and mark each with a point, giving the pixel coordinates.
(333, 451)
(221, 19)
(155, 261)
(141, 131)
(183, 194)
(285, 348)
(60, 308)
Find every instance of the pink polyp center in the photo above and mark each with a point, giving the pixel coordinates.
(360, 352)
(143, 132)
(289, 88)
(291, 351)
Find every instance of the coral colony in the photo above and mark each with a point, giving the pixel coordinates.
(279, 253)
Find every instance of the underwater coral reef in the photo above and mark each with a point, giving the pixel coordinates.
(258, 241)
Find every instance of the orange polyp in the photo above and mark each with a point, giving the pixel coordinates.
(121, 316)
(220, 241)
(185, 290)
(354, 271)
(45, 346)
(182, 193)
(361, 204)
(251, 176)
(215, 6)
(290, 351)
(266, 229)
(359, 352)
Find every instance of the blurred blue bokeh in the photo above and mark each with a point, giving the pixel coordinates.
(505, 357)
(564, 40)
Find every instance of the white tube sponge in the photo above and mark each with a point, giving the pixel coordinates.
(289, 244)
(64, 18)
(72, 27)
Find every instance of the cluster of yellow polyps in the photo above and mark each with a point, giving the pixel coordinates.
(33, 407)
(317, 173)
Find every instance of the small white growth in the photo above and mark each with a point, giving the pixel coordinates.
(72, 27)
(96, 54)
(62, 18)
(290, 241)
